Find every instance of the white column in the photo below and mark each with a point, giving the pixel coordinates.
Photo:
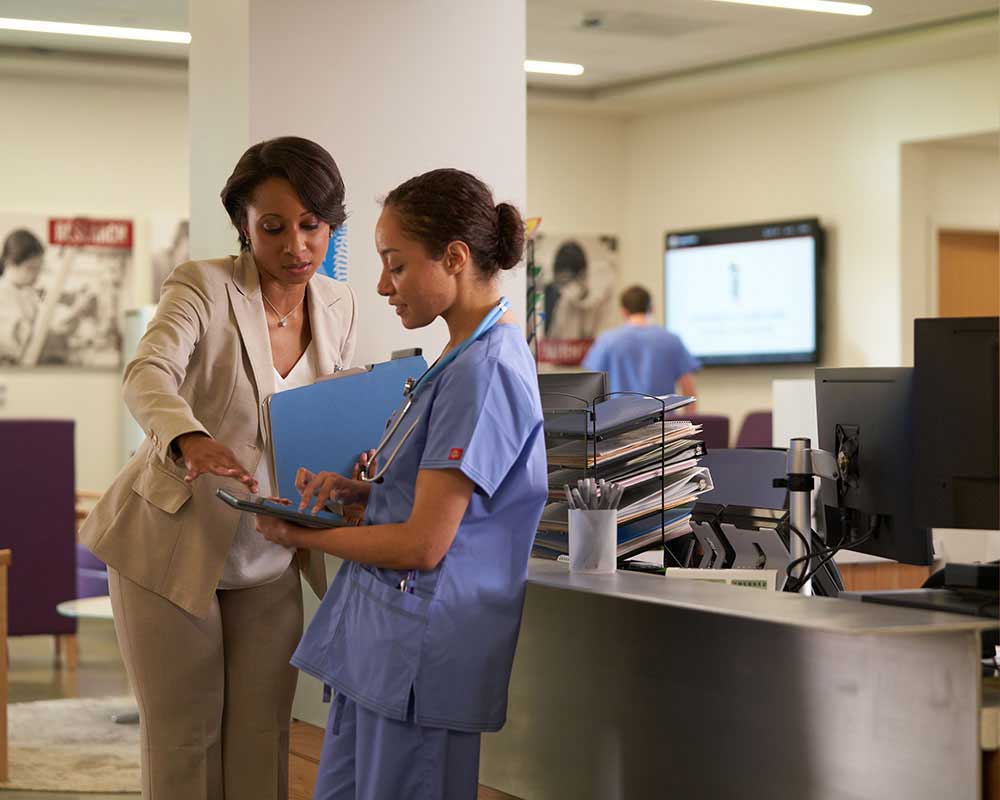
(391, 88)
(219, 95)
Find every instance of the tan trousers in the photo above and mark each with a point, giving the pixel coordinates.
(214, 694)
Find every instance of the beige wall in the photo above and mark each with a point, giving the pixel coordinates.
(964, 186)
(90, 144)
(832, 150)
(576, 172)
(860, 153)
(943, 186)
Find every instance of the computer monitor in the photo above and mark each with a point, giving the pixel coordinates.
(955, 410)
(866, 420)
(558, 389)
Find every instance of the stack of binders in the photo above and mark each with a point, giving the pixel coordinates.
(632, 442)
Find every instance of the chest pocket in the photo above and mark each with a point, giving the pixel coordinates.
(376, 651)
(164, 490)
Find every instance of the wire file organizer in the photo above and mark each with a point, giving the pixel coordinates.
(630, 439)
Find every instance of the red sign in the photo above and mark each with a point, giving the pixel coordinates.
(564, 352)
(83, 232)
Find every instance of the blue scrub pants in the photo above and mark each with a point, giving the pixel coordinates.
(369, 757)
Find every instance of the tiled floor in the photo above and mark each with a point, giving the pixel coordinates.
(35, 676)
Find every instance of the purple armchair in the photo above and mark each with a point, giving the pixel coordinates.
(755, 430)
(91, 574)
(39, 527)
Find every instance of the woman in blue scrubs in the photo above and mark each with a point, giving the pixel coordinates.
(416, 634)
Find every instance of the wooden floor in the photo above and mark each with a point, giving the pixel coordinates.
(303, 762)
(34, 675)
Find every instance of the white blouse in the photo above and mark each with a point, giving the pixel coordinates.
(252, 559)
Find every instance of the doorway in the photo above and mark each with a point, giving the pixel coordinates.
(968, 273)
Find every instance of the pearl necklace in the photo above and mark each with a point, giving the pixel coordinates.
(282, 320)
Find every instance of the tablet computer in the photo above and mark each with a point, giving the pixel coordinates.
(260, 505)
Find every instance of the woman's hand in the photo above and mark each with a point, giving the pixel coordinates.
(204, 455)
(287, 534)
(325, 486)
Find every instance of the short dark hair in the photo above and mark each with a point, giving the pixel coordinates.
(448, 205)
(570, 258)
(636, 300)
(309, 168)
(20, 245)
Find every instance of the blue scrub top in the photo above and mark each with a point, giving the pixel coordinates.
(641, 358)
(451, 640)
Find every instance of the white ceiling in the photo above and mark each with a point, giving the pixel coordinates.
(641, 40)
(171, 15)
(632, 42)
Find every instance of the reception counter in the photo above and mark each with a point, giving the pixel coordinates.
(632, 686)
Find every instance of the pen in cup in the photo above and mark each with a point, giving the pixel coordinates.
(592, 495)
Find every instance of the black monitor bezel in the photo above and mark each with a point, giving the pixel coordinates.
(947, 379)
(909, 547)
(749, 233)
(561, 398)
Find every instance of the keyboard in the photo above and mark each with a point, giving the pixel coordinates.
(970, 602)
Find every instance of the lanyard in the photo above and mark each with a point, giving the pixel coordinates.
(412, 390)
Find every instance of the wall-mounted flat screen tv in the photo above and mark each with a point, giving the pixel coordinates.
(747, 294)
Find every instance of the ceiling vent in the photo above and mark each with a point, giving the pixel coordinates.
(640, 23)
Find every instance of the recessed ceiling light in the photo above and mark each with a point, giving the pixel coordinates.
(100, 31)
(826, 6)
(553, 67)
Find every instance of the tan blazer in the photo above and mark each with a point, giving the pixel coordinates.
(204, 364)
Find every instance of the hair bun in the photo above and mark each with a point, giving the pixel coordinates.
(510, 236)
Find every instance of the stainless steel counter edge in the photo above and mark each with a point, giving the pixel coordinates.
(779, 608)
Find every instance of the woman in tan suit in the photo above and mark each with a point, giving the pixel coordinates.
(206, 611)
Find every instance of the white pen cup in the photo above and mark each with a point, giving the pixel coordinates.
(593, 540)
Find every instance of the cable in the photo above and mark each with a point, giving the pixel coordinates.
(832, 551)
(806, 558)
(827, 559)
(825, 553)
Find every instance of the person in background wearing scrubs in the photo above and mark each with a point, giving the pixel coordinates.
(640, 356)
(416, 635)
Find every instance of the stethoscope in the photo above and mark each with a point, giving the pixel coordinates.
(413, 388)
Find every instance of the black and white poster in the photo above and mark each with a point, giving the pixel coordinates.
(579, 274)
(62, 280)
(168, 242)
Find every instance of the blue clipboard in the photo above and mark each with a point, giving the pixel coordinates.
(328, 424)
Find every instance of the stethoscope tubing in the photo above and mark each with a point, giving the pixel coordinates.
(411, 392)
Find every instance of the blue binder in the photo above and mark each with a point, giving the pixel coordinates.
(328, 424)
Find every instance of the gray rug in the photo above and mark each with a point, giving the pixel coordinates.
(72, 746)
